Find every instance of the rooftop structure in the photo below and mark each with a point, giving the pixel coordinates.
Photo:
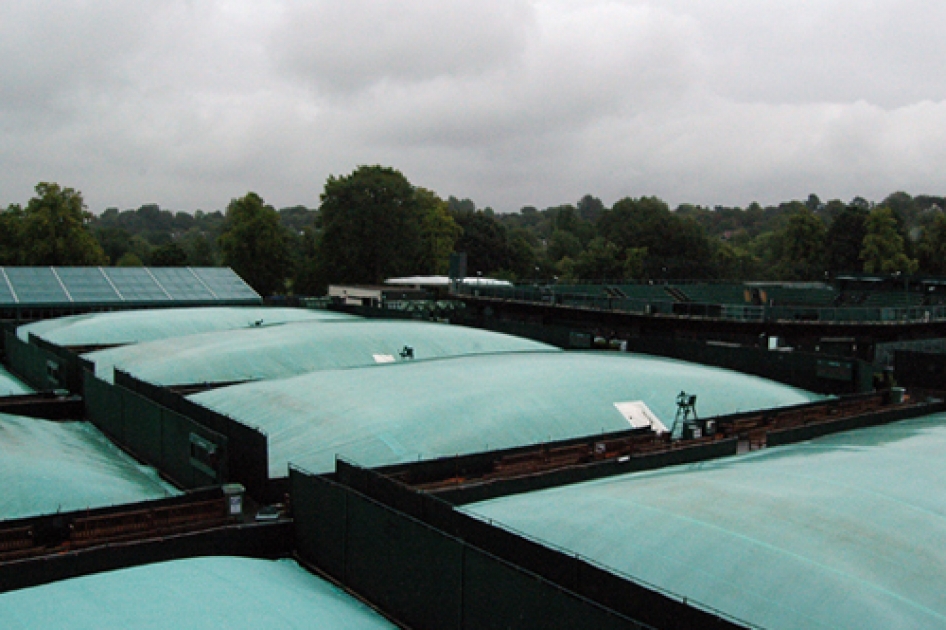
(205, 592)
(48, 467)
(26, 288)
(270, 352)
(429, 409)
(840, 532)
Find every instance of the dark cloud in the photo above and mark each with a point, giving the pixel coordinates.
(191, 103)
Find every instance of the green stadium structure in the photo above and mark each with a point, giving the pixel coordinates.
(48, 467)
(271, 352)
(428, 409)
(196, 593)
(139, 286)
(844, 531)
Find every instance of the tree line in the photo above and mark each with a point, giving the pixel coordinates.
(373, 224)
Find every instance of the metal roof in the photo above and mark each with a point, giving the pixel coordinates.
(427, 409)
(295, 348)
(47, 467)
(845, 531)
(135, 326)
(90, 286)
(196, 593)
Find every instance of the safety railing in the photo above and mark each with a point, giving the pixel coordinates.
(733, 312)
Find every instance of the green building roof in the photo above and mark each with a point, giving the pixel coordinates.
(195, 593)
(282, 351)
(427, 409)
(136, 326)
(47, 467)
(140, 286)
(844, 531)
(11, 385)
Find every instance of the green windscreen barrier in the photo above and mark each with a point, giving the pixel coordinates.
(397, 413)
(48, 467)
(845, 531)
(281, 351)
(196, 593)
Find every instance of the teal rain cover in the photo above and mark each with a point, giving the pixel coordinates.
(135, 326)
(195, 593)
(280, 351)
(845, 531)
(426, 409)
(48, 467)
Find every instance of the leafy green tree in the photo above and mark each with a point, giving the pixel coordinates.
(169, 255)
(255, 245)
(590, 208)
(484, 240)
(372, 227)
(115, 241)
(845, 239)
(883, 249)
(199, 248)
(677, 247)
(438, 232)
(563, 243)
(601, 260)
(733, 262)
(54, 230)
(932, 247)
(11, 223)
(129, 259)
(800, 247)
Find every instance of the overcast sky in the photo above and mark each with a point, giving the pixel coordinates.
(190, 103)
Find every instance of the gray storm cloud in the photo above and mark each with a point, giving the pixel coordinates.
(510, 103)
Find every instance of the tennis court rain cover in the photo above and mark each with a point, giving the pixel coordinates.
(194, 593)
(283, 351)
(48, 467)
(845, 531)
(11, 385)
(397, 413)
(123, 327)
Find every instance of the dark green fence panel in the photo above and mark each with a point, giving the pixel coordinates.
(27, 361)
(403, 565)
(142, 421)
(248, 458)
(103, 406)
(178, 458)
(319, 509)
(551, 564)
(498, 595)
(650, 607)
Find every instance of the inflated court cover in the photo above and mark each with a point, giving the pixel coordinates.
(425, 409)
(845, 531)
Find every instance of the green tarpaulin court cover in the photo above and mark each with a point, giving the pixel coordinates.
(122, 327)
(282, 351)
(48, 467)
(196, 593)
(845, 531)
(11, 385)
(425, 409)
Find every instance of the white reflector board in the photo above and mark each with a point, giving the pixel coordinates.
(639, 415)
(383, 358)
